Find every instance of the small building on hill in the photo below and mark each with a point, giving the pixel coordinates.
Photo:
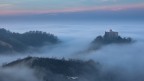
(111, 34)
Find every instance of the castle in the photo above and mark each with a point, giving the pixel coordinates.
(111, 34)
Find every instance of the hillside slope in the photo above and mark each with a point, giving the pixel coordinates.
(17, 42)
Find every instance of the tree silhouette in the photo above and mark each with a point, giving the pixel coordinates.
(20, 42)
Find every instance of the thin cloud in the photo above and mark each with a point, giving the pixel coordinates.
(76, 9)
(109, 0)
(6, 5)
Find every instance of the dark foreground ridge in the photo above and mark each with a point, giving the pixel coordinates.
(51, 69)
(17, 42)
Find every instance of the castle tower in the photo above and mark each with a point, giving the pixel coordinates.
(111, 34)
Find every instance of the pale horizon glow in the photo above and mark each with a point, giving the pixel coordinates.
(74, 9)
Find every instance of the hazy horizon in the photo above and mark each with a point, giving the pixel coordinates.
(77, 23)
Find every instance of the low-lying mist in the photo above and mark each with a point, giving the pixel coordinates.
(124, 61)
(17, 74)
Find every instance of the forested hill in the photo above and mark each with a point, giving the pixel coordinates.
(20, 42)
(101, 41)
(52, 69)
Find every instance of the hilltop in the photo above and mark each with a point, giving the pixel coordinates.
(50, 68)
(110, 37)
(20, 42)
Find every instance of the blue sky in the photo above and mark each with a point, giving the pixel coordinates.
(47, 6)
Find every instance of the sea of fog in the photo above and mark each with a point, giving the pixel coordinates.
(76, 36)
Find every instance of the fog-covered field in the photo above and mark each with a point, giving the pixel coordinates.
(126, 60)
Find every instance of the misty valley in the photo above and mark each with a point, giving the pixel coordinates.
(12, 42)
(71, 40)
(43, 56)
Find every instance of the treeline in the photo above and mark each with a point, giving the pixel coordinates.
(69, 67)
(101, 41)
(107, 40)
(12, 41)
(55, 66)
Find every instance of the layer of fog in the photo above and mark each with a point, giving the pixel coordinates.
(125, 60)
(17, 74)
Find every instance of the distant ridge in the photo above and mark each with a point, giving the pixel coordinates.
(20, 42)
